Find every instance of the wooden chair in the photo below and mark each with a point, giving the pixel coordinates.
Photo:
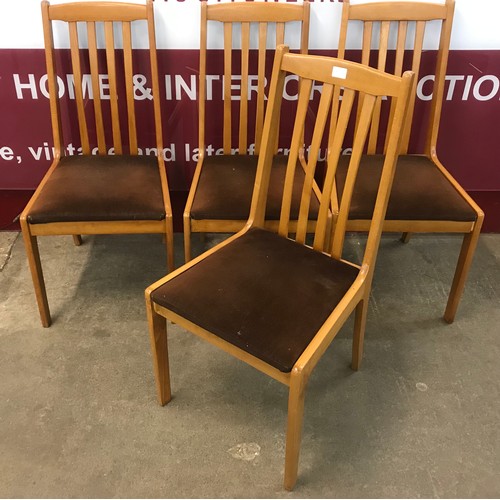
(221, 191)
(98, 193)
(268, 300)
(425, 197)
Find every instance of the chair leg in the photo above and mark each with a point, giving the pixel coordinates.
(187, 238)
(464, 262)
(296, 398)
(359, 333)
(159, 352)
(35, 265)
(405, 237)
(170, 243)
(77, 240)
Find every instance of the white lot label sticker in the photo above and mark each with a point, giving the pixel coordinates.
(339, 72)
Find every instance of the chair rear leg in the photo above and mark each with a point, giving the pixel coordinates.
(359, 333)
(77, 240)
(159, 351)
(169, 242)
(296, 398)
(405, 237)
(187, 237)
(31, 245)
(469, 245)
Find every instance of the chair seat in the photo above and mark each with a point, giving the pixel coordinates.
(419, 192)
(226, 184)
(263, 293)
(101, 188)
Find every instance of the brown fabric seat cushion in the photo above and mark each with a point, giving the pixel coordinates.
(101, 188)
(262, 293)
(226, 186)
(420, 191)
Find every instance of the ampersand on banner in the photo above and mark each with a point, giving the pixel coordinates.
(139, 86)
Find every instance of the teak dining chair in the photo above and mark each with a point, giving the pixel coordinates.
(97, 192)
(425, 197)
(267, 299)
(221, 191)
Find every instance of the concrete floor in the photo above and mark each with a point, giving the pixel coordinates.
(79, 418)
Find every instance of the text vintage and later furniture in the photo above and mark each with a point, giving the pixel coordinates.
(98, 193)
(425, 197)
(221, 191)
(268, 300)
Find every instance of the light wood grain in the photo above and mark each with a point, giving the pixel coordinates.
(88, 14)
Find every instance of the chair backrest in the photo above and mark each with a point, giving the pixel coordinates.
(405, 22)
(354, 79)
(88, 23)
(252, 21)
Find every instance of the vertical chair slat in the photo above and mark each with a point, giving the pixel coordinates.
(228, 43)
(341, 55)
(319, 128)
(357, 151)
(96, 90)
(280, 34)
(77, 73)
(415, 67)
(261, 72)
(382, 61)
(400, 47)
(367, 42)
(129, 74)
(295, 146)
(280, 40)
(113, 93)
(335, 143)
(398, 67)
(365, 59)
(245, 48)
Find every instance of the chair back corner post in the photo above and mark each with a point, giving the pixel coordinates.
(52, 80)
(396, 133)
(344, 21)
(305, 30)
(155, 78)
(269, 135)
(440, 78)
(202, 78)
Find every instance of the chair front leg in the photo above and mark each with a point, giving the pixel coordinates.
(31, 245)
(77, 240)
(159, 352)
(296, 399)
(469, 245)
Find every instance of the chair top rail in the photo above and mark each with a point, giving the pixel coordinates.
(335, 71)
(97, 11)
(255, 12)
(398, 11)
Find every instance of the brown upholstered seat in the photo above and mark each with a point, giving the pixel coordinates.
(101, 188)
(420, 191)
(225, 189)
(262, 293)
